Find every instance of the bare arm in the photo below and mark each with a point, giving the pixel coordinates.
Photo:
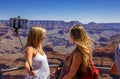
(114, 69)
(75, 65)
(29, 56)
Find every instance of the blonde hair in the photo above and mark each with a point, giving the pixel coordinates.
(35, 36)
(84, 44)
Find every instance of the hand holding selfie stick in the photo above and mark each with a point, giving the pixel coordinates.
(16, 24)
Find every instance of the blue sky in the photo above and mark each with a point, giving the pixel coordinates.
(81, 10)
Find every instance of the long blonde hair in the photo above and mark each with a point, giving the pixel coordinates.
(35, 36)
(84, 44)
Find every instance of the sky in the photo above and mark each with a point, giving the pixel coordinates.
(84, 11)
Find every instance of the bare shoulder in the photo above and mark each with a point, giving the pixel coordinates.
(77, 54)
(29, 50)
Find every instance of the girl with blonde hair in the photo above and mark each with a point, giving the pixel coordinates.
(36, 60)
(80, 60)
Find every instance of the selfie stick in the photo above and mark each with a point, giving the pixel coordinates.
(16, 24)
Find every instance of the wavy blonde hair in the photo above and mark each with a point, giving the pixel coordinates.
(84, 44)
(35, 36)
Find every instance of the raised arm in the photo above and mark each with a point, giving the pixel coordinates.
(28, 63)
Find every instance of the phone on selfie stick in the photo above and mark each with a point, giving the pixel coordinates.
(16, 24)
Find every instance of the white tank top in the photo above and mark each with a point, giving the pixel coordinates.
(41, 67)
